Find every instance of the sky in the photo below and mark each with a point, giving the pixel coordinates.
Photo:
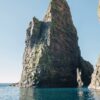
(15, 16)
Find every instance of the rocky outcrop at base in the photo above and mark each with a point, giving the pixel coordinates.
(52, 55)
(14, 84)
(95, 83)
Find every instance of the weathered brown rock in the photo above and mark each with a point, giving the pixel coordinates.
(52, 55)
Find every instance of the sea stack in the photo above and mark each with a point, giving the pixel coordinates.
(52, 55)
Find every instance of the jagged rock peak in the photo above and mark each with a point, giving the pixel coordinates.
(52, 55)
(56, 8)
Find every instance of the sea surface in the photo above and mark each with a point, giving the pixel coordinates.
(14, 93)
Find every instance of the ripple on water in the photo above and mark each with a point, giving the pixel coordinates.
(14, 93)
(9, 93)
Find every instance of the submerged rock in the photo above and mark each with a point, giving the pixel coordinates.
(52, 54)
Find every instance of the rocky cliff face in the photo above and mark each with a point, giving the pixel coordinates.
(52, 55)
(95, 83)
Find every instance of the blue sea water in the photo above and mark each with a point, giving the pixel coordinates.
(15, 93)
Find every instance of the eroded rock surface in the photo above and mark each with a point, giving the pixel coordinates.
(95, 83)
(52, 54)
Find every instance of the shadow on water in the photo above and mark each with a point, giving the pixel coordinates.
(56, 94)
